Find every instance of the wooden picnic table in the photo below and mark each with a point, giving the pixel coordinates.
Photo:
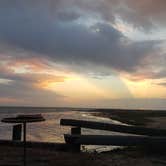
(24, 119)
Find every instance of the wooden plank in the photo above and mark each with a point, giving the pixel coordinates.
(17, 132)
(114, 127)
(76, 131)
(115, 140)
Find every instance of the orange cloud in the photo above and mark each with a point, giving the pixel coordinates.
(45, 83)
(138, 76)
(29, 64)
(31, 72)
(4, 100)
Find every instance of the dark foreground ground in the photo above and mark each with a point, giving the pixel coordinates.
(37, 157)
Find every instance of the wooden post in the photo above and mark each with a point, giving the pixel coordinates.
(17, 132)
(24, 139)
(76, 131)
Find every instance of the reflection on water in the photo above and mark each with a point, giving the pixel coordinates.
(50, 130)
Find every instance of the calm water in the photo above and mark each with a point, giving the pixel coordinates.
(50, 130)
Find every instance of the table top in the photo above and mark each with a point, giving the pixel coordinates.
(24, 119)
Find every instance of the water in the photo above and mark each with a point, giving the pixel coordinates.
(50, 130)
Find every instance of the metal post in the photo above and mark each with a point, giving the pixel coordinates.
(24, 139)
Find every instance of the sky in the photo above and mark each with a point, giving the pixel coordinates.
(83, 53)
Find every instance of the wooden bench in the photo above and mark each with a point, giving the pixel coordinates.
(142, 136)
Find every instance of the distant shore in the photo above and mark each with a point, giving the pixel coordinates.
(146, 118)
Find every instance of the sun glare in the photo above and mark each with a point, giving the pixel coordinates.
(51, 84)
(145, 89)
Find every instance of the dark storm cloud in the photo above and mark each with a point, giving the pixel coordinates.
(52, 29)
(146, 14)
(58, 31)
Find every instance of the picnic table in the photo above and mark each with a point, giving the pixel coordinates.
(24, 119)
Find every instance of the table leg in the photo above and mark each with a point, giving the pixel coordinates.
(24, 139)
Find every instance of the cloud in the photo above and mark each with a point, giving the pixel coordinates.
(23, 87)
(58, 31)
(23, 94)
(162, 84)
(145, 13)
(79, 35)
(135, 103)
(142, 14)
